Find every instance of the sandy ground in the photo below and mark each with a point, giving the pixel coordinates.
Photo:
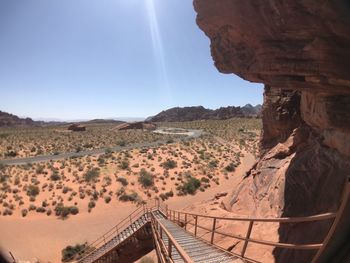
(40, 237)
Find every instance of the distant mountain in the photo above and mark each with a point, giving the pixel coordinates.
(201, 113)
(8, 120)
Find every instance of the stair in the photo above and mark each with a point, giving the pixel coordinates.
(198, 250)
(116, 240)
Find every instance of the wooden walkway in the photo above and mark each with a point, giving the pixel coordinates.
(196, 249)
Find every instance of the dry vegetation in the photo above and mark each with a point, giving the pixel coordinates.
(24, 142)
(67, 187)
(238, 131)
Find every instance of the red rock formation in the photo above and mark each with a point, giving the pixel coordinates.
(300, 49)
(76, 128)
(136, 126)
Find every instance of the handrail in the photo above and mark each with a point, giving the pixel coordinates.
(171, 240)
(318, 217)
(123, 224)
(93, 246)
(181, 218)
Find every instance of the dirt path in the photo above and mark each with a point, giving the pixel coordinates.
(44, 237)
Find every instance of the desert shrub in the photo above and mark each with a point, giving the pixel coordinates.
(11, 154)
(33, 190)
(205, 179)
(128, 197)
(91, 204)
(24, 212)
(32, 207)
(92, 174)
(121, 143)
(55, 176)
(213, 164)
(107, 199)
(169, 164)
(63, 211)
(123, 181)
(49, 212)
(145, 178)
(72, 252)
(230, 168)
(7, 211)
(190, 186)
(41, 209)
(74, 210)
(3, 178)
(124, 165)
(39, 169)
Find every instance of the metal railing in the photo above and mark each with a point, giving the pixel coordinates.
(166, 250)
(184, 219)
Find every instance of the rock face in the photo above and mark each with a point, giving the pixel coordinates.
(300, 49)
(195, 113)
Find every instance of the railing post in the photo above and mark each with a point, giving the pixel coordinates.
(169, 247)
(178, 218)
(213, 231)
(166, 211)
(130, 220)
(185, 221)
(250, 227)
(195, 225)
(161, 233)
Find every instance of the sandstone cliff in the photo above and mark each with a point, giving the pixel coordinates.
(300, 49)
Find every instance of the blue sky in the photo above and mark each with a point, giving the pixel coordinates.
(79, 59)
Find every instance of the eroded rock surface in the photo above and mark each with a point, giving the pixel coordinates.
(300, 49)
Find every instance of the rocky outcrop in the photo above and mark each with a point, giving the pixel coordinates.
(76, 128)
(136, 126)
(300, 50)
(196, 113)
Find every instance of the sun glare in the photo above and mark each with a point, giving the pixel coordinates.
(158, 51)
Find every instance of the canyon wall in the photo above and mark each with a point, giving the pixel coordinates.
(300, 50)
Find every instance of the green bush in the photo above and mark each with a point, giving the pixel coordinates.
(145, 178)
(72, 252)
(123, 181)
(62, 211)
(190, 186)
(74, 210)
(107, 199)
(91, 204)
(33, 190)
(128, 197)
(92, 174)
(24, 212)
(169, 164)
(124, 165)
(230, 168)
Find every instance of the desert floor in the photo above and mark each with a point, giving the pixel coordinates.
(43, 238)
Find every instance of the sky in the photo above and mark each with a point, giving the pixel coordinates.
(78, 59)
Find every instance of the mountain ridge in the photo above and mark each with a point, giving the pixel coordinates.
(193, 113)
